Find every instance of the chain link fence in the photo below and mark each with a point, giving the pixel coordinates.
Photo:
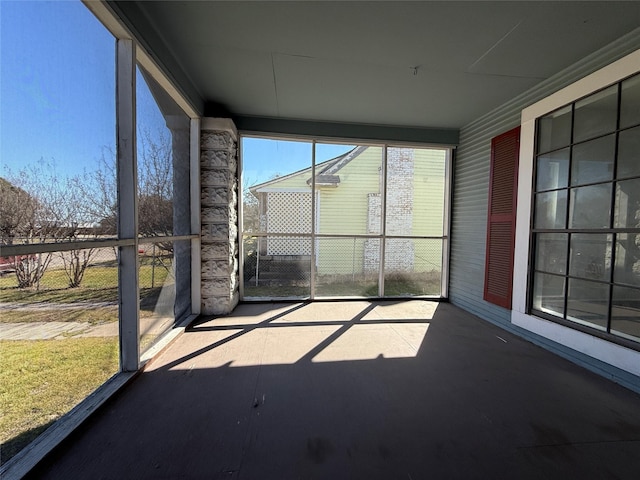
(84, 268)
(344, 266)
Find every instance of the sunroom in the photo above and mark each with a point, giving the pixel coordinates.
(168, 167)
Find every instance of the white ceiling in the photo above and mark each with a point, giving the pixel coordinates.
(356, 61)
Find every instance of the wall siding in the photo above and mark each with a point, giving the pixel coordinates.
(471, 180)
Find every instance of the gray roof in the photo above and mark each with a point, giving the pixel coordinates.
(326, 172)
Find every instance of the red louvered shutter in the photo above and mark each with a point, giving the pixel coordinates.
(501, 219)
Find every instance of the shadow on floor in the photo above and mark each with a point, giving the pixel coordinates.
(360, 391)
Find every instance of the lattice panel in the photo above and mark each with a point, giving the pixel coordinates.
(288, 212)
(288, 246)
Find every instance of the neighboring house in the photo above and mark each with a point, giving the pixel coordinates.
(348, 206)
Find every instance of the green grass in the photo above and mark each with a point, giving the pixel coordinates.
(93, 315)
(42, 380)
(399, 285)
(99, 285)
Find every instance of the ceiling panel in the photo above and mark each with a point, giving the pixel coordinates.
(241, 80)
(553, 37)
(350, 92)
(351, 61)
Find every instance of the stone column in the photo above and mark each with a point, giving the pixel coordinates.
(219, 219)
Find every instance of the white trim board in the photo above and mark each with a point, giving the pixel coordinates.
(284, 190)
(610, 353)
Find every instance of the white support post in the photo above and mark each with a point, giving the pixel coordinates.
(383, 219)
(127, 173)
(241, 194)
(195, 217)
(446, 230)
(312, 266)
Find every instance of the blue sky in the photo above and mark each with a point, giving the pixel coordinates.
(263, 159)
(57, 87)
(57, 91)
(57, 96)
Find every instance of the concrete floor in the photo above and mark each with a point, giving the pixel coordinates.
(357, 390)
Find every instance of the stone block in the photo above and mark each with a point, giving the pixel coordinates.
(216, 141)
(212, 159)
(215, 178)
(215, 232)
(216, 251)
(218, 214)
(215, 287)
(215, 268)
(214, 196)
(216, 306)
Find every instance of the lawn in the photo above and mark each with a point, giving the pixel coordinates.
(42, 380)
(99, 286)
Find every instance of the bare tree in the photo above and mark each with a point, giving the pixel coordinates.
(75, 263)
(41, 206)
(250, 208)
(18, 213)
(155, 189)
(27, 218)
(155, 186)
(100, 192)
(37, 205)
(16, 206)
(250, 224)
(80, 223)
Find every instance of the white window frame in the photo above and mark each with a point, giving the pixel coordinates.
(619, 356)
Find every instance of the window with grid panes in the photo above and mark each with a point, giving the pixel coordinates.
(586, 219)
